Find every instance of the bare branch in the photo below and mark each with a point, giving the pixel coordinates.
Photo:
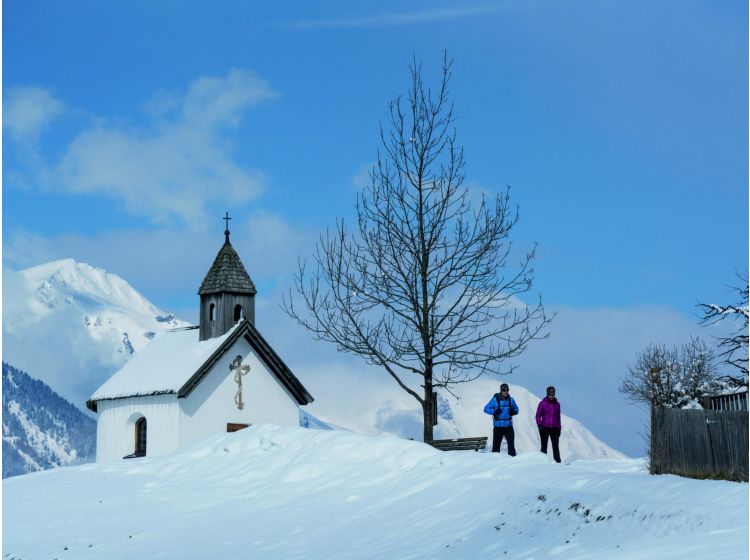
(734, 347)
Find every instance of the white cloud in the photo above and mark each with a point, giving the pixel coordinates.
(17, 297)
(170, 169)
(221, 101)
(27, 111)
(477, 193)
(361, 179)
(395, 19)
(169, 264)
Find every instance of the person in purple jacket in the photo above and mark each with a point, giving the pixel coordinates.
(548, 420)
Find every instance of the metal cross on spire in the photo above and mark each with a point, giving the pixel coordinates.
(239, 370)
(226, 218)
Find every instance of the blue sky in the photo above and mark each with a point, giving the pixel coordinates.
(130, 128)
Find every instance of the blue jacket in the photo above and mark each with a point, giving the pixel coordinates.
(508, 408)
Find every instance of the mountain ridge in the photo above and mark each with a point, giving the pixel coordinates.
(41, 430)
(91, 321)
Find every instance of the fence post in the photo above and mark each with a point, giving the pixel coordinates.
(653, 452)
(707, 423)
(652, 442)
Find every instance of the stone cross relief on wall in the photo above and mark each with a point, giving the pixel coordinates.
(239, 370)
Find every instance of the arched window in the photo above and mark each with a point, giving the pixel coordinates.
(211, 312)
(238, 314)
(140, 437)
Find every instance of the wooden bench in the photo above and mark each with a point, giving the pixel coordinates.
(459, 444)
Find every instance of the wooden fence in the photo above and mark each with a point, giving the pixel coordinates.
(736, 401)
(699, 443)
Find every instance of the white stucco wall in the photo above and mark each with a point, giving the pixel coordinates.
(115, 427)
(173, 422)
(211, 405)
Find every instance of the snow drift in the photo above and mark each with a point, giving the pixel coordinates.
(270, 492)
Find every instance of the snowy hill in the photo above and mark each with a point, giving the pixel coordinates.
(376, 406)
(74, 325)
(292, 493)
(40, 429)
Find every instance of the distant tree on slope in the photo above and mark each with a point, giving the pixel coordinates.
(425, 286)
(733, 348)
(673, 378)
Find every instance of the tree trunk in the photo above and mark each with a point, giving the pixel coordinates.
(428, 407)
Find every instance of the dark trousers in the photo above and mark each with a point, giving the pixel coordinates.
(497, 439)
(554, 435)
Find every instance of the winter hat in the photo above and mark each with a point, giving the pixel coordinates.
(504, 386)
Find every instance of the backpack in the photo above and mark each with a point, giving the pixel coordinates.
(496, 415)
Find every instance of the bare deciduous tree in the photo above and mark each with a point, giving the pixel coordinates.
(671, 378)
(733, 348)
(424, 287)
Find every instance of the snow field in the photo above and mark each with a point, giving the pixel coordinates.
(272, 492)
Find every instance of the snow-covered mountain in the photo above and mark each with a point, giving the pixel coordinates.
(271, 492)
(41, 429)
(74, 325)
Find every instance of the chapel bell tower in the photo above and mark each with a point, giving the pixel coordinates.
(227, 292)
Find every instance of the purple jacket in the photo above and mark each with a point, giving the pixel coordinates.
(548, 413)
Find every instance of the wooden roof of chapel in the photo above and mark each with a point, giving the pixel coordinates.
(227, 274)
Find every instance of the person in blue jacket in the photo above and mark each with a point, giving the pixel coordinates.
(502, 407)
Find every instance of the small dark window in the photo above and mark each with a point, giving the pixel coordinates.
(140, 439)
(211, 312)
(236, 427)
(140, 436)
(238, 313)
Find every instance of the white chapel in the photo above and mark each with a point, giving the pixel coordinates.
(221, 376)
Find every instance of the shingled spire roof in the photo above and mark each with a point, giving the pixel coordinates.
(227, 274)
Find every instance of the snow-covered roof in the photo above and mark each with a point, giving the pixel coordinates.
(163, 366)
(177, 361)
